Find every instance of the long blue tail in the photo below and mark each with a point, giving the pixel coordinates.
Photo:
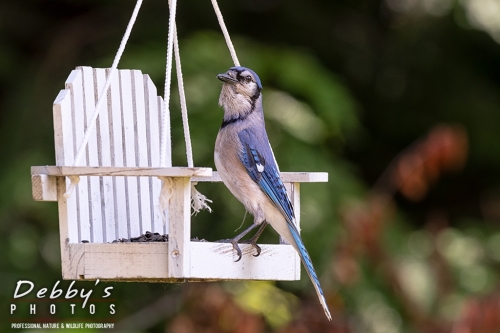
(306, 260)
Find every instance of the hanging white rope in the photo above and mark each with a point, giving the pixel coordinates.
(198, 200)
(225, 32)
(166, 141)
(182, 97)
(102, 96)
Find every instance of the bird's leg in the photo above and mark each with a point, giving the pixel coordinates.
(236, 239)
(253, 241)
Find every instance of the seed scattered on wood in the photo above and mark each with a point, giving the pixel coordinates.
(147, 237)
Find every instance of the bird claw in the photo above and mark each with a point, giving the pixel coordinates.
(236, 247)
(254, 244)
(252, 241)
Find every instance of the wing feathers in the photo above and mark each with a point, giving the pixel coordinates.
(261, 167)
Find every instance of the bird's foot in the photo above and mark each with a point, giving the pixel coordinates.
(236, 247)
(253, 242)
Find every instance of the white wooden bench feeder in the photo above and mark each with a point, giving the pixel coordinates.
(116, 188)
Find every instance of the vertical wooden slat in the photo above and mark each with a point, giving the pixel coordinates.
(75, 85)
(153, 140)
(166, 223)
(142, 153)
(106, 183)
(65, 215)
(63, 130)
(90, 101)
(179, 237)
(117, 157)
(63, 133)
(129, 152)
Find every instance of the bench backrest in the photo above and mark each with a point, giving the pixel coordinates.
(127, 133)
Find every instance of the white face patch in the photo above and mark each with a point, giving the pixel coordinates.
(260, 167)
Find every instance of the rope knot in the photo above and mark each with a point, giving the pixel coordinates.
(74, 181)
(166, 193)
(198, 200)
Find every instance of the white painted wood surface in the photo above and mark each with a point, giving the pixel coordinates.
(179, 237)
(120, 171)
(117, 160)
(65, 151)
(108, 211)
(286, 177)
(216, 261)
(196, 174)
(106, 208)
(209, 261)
(44, 188)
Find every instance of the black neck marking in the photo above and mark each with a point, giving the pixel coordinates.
(255, 97)
(237, 118)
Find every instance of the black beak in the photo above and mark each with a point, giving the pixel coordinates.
(226, 78)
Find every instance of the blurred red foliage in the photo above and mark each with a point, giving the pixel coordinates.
(444, 149)
(411, 173)
(480, 315)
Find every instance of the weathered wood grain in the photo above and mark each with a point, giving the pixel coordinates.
(209, 261)
(120, 171)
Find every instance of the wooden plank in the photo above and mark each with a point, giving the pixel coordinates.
(286, 177)
(93, 152)
(44, 188)
(141, 153)
(117, 158)
(216, 261)
(120, 171)
(179, 228)
(52, 172)
(126, 262)
(65, 215)
(75, 270)
(63, 132)
(105, 153)
(64, 138)
(75, 85)
(129, 136)
(161, 113)
(153, 140)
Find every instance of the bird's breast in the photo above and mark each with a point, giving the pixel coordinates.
(234, 174)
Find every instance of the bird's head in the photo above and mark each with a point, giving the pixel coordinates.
(240, 91)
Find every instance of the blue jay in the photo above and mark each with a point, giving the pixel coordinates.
(246, 165)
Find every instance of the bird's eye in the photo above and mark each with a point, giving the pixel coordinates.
(248, 79)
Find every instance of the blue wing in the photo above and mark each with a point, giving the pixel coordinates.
(259, 162)
(258, 159)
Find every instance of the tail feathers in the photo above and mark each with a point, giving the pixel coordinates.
(306, 260)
